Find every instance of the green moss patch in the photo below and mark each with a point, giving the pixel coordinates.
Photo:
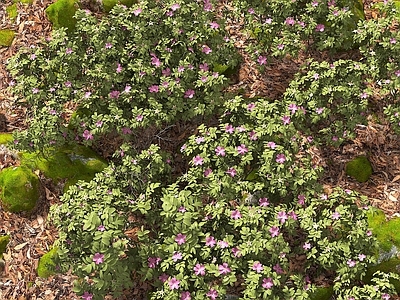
(47, 265)
(5, 138)
(386, 232)
(359, 168)
(12, 11)
(3, 244)
(26, 1)
(73, 163)
(61, 14)
(109, 4)
(19, 189)
(6, 37)
(322, 293)
(390, 266)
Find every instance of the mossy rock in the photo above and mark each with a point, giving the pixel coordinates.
(359, 168)
(322, 293)
(3, 244)
(6, 37)
(61, 14)
(12, 11)
(109, 4)
(47, 264)
(5, 138)
(389, 266)
(73, 163)
(26, 1)
(19, 189)
(387, 232)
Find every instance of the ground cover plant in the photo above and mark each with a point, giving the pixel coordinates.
(248, 217)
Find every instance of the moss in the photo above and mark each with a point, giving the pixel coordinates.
(390, 266)
(3, 244)
(6, 37)
(61, 14)
(47, 264)
(26, 1)
(12, 11)
(109, 4)
(386, 232)
(5, 138)
(359, 168)
(19, 189)
(73, 163)
(322, 293)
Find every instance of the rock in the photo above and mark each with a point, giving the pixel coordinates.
(109, 4)
(61, 14)
(47, 265)
(359, 168)
(3, 244)
(19, 189)
(6, 37)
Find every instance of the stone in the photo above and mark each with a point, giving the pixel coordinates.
(47, 265)
(61, 14)
(359, 168)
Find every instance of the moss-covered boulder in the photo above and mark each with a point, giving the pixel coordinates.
(12, 11)
(19, 189)
(5, 138)
(47, 264)
(359, 168)
(72, 163)
(3, 244)
(6, 37)
(322, 293)
(109, 4)
(61, 14)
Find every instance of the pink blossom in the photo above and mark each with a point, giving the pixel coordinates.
(262, 60)
(385, 296)
(231, 172)
(236, 252)
(361, 257)
(290, 21)
(292, 215)
(280, 158)
(87, 296)
(351, 263)
(286, 120)
(139, 118)
(198, 160)
(189, 94)
(393, 41)
(253, 135)
(397, 73)
(98, 258)
(306, 246)
(263, 202)
(204, 67)
(214, 25)
(251, 106)
(114, 94)
(320, 27)
(224, 269)
(163, 277)
(267, 283)
(258, 267)
(166, 72)
(108, 46)
(205, 49)
(199, 269)
(242, 149)
(280, 46)
(87, 135)
(271, 145)
(126, 130)
(87, 95)
(68, 51)
(176, 256)
(282, 217)
(136, 12)
(180, 238)
(292, 108)
(101, 228)
(152, 262)
(155, 61)
(274, 231)
(277, 268)
(236, 214)
(210, 241)
(154, 89)
(119, 68)
(319, 110)
(33, 56)
(174, 283)
(336, 216)
(185, 296)
(212, 294)
(229, 129)
(223, 244)
(207, 172)
(175, 6)
(301, 199)
(251, 11)
(182, 209)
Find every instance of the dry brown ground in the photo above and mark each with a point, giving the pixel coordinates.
(33, 235)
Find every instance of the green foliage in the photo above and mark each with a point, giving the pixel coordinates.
(6, 37)
(61, 14)
(12, 11)
(47, 264)
(4, 239)
(19, 189)
(359, 168)
(109, 4)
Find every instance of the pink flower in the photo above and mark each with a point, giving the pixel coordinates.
(282, 217)
(98, 258)
(87, 296)
(176, 256)
(185, 296)
(263, 202)
(385, 296)
(175, 6)
(271, 145)
(351, 263)
(229, 129)
(212, 294)
(320, 27)
(199, 269)
(139, 118)
(262, 60)
(136, 12)
(119, 68)
(251, 106)
(336, 216)
(319, 110)
(251, 11)
(210, 241)
(277, 268)
(224, 269)
(174, 283)
(189, 94)
(369, 233)
(280, 158)
(253, 135)
(68, 51)
(236, 214)
(258, 267)
(204, 67)
(205, 49)
(280, 46)
(153, 89)
(207, 172)
(274, 231)
(114, 94)
(397, 73)
(223, 244)
(286, 120)
(101, 228)
(361, 257)
(87, 135)
(152, 262)
(163, 277)
(33, 56)
(290, 21)
(214, 25)
(236, 252)
(166, 72)
(242, 149)
(306, 246)
(155, 61)
(126, 130)
(198, 160)
(231, 172)
(393, 41)
(267, 283)
(292, 108)
(180, 238)
(108, 46)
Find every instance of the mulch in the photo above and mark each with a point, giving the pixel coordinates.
(32, 235)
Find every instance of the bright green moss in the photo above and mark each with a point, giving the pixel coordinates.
(322, 293)
(359, 168)
(109, 4)
(61, 14)
(390, 266)
(3, 244)
(12, 11)
(47, 264)
(73, 163)
(5, 138)
(386, 232)
(19, 189)
(6, 37)
(26, 1)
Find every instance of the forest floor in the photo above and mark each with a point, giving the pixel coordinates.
(33, 235)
